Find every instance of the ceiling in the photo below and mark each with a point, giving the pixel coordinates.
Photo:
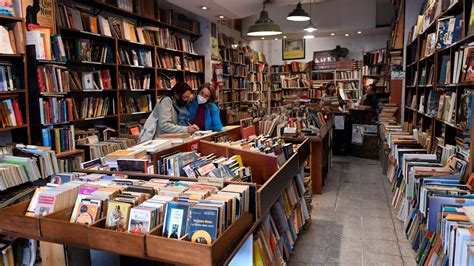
(330, 16)
(234, 9)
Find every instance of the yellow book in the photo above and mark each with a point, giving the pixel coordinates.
(257, 257)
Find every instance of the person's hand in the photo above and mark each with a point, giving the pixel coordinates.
(192, 129)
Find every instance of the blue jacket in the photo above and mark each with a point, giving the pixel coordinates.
(212, 118)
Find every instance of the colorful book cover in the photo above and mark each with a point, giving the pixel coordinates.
(117, 216)
(176, 216)
(203, 224)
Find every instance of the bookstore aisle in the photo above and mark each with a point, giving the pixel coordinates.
(353, 221)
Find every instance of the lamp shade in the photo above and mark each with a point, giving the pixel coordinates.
(264, 26)
(310, 27)
(298, 14)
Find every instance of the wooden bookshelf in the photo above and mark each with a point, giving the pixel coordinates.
(18, 65)
(286, 81)
(194, 77)
(416, 88)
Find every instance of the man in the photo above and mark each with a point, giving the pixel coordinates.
(369, 98)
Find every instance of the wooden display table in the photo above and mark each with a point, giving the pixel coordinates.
(268, 185)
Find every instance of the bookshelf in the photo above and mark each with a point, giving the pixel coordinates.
(14, 93)
(131, 70)
(374, 72)
(288, 83)
(436, 83)
(343, 74)
(242, 77)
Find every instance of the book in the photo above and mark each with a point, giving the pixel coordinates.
(118, 215)
(176, 217)
(203, 224)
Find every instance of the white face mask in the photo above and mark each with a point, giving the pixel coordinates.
(201, 100)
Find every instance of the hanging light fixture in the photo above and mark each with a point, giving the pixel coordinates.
(310, 27)
(298, 14)
(264, 26)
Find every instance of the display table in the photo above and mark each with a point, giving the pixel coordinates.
(269, 183)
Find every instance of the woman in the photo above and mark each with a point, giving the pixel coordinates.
(203, 111)
(170, 114)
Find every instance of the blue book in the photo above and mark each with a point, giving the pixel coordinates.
(203, 224)
(176, 216)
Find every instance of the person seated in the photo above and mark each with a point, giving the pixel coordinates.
(170, 114)
(203, 112)
(369, 98)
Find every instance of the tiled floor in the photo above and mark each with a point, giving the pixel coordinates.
(353, 222)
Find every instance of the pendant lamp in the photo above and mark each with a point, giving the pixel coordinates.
(298, 14)
(264, 26)
(310, 27)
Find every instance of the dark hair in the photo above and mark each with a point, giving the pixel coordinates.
(179, 88)
(208, 85)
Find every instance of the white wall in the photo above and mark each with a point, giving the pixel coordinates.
(356, 45)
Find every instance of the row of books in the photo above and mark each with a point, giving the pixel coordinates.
(55, 110)
(378, 70)
(26, 164)
(193, 165)
(96, 149)
(428, 185)
(9, 80)
(10, 113)
(98, 80)
(291, 81)
(229, 96)
(132, 80)
(81, 18)
(60, 139)
(232, 55)
(458, 69)
(375, 57)
(326, 76)
(139, 104)
(193, 81)
(276, 236)
(168, 61)
(86, 50)
(354, 74)
(47, 46)
(193, 64)
(12, 39)
(53, 78)
(140, 58)
(233, 70)
(163, 82)
(67, 165)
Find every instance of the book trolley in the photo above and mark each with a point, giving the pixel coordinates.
(269, 181)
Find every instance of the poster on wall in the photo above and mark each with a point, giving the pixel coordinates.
(38, 13)
(293, 49)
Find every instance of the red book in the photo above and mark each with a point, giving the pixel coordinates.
(41, 85)
(17, 112)
(48, 113)
(69, 109)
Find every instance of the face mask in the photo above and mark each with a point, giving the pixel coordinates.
(201, 100)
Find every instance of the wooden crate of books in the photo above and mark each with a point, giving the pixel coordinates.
(13, 221)
(57, 228)
(123, 243)
(186, 252)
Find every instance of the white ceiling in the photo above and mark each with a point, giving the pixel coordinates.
(235, 9)
(338, 16)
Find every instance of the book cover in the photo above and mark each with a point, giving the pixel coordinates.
(203, 224)
(117, 216)
(140, 220)
(176, 216)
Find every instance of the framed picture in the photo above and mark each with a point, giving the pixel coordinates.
(293, 49)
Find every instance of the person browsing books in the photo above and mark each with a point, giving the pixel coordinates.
(203, 111)
(170, 114)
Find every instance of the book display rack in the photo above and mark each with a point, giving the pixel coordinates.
(269, 186)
